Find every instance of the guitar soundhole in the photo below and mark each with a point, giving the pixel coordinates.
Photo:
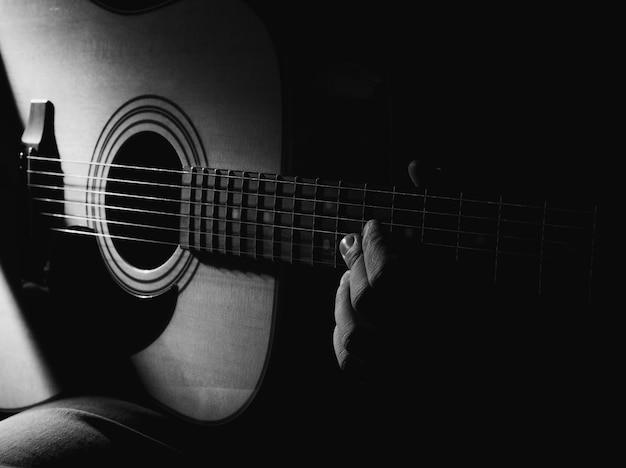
(143, 193)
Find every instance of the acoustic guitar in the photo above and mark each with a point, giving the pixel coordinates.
(158, 134)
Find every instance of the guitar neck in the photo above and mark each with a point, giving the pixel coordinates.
(301, 220)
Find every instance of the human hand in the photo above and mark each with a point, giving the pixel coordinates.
(375, 314)
(366, 303)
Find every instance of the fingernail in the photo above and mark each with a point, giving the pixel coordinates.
(345, 244)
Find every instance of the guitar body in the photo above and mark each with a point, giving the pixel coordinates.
(202, 78)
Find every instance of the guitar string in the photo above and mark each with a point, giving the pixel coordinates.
(190, 231)
(220, 235)
(217, 250)
(330, 263)
(278, 226)
(276, 178)
(302, 259)
(306, 229)
(291, 198)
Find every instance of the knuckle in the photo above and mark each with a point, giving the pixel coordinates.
(376, 252)
(376, 268)
(341, 353)
(347, 336)
(342, 292)
(359, 296)
(372, 233)
(342, 359)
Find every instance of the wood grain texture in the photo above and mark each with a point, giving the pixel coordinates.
(215, 61)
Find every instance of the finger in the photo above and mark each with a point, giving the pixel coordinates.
(368, 259)
(345, 315)
(414, 173)
(349, 362)
(352, 252)
(423, 174)
(345, 322)
(352, 336)
(350, 248)
(376, 253)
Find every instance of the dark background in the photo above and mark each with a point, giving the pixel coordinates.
(508, 100)
(519, 101)
(496, 97)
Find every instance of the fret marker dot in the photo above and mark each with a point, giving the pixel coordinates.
(326, 244)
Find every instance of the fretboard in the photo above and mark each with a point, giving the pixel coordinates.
(300, 220)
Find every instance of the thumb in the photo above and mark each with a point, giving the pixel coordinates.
(424, 174)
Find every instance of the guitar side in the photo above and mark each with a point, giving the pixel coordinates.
(214, 62)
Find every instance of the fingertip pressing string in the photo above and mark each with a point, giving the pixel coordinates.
(345, 244)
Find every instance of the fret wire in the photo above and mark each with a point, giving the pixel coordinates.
(240, 212)
(314, 219)
(393, 202)
(207, 209)
(185, 209)
(256, 218)
(279, 187)
(192, 208)
(215, 221)
(193, 218)
(293, 216)
(258, 230)
(363, 208)
(495, 270)
(206, 234)
(543, 231)
(424, 213)
(198, 234)
(380, 191)
(337, 241)
(217, 218)
(593, 246)
(274, 180)
(438, 213)
(228, 240)
(458, 228)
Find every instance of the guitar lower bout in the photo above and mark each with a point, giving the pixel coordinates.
(163, 90)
